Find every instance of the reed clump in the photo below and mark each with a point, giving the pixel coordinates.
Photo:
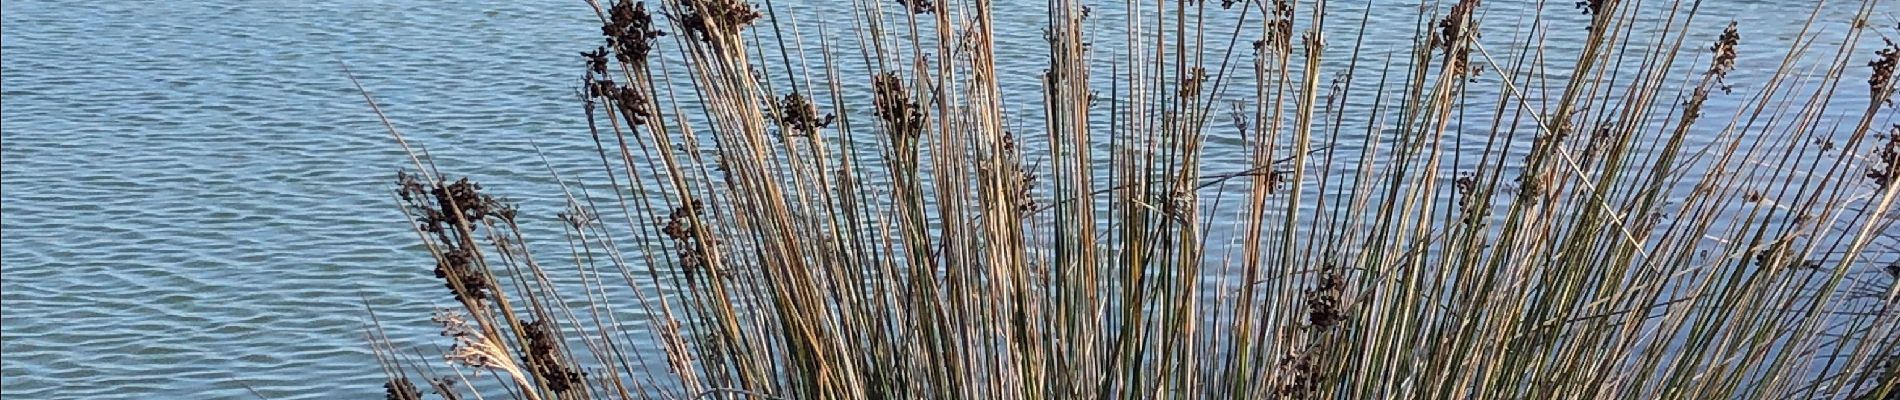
(1469, 217)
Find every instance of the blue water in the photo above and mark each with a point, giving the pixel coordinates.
(197, 200)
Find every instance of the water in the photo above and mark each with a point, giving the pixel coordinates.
(196, 199)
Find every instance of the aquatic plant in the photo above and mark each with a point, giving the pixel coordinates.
(1495, 222)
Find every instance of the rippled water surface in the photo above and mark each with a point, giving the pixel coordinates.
(196, 199)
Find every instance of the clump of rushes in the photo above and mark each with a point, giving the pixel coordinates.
(1370, 246)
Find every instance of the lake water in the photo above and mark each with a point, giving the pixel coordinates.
(196, 199)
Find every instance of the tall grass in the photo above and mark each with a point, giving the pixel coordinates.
(1464, 219)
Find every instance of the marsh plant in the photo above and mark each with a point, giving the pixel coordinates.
(1470, 216)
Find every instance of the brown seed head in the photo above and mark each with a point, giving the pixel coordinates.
(1881, 83)
(797, 113)
(918, 6)
(629, 30)
(895, 107)
(1724, 49)
(709, 19)
(399, 388)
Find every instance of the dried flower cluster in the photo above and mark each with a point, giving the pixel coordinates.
(919, 6)
(461, 198)
(444, 387)
(456, 267)
(400, 388)
(1324, 307)
(1776, 253)
(472, 347)
(1886, 159)
(1279, 29)
(596, 61)
(450, 212)
(895, 107)
(1179, 202)
(1454, 35)
(801, 116)
(1191, 84)
(631, 104)
(545, 357)
(1600, 138)
(1881, 83)
(629, 30)
(1531, 187)
(1724, 49)
(1466, 185)
(1237, 113)
(1298, 376)
(1591, 7)
(709, 19)
(1025, 179)
(680, 225)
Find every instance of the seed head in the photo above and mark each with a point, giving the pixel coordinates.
(629, 30)
(918, 6)
(1881, 83)
(1724, 49)
(797, 113)
(399, 388)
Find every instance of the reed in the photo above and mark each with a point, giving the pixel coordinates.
(1466, 218)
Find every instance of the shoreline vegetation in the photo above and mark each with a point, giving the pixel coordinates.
(1595, 234)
